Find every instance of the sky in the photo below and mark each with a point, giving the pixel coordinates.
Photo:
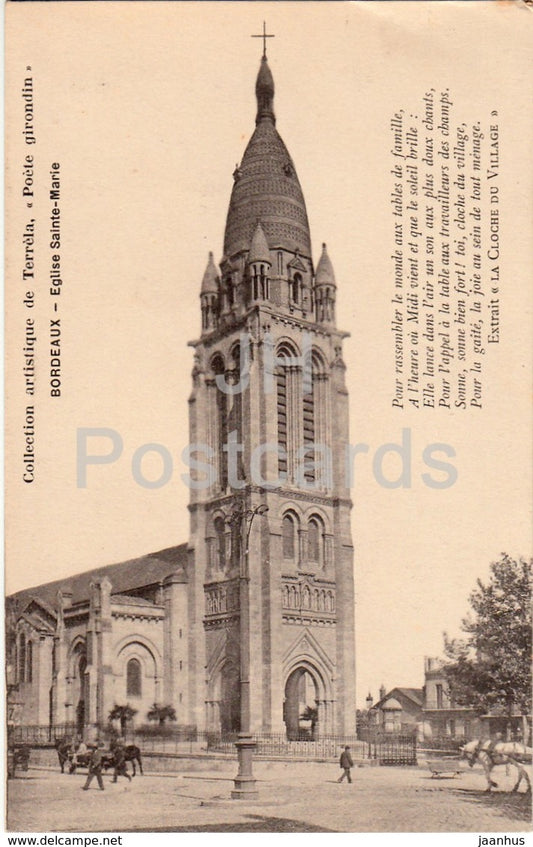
(147, 108)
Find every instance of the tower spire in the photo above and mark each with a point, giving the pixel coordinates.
(264, 91)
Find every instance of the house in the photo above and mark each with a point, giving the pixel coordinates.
(398, 710)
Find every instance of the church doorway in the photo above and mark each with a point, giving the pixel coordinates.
(300, 711)
(230, 701)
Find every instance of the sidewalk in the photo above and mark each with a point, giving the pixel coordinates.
(293, 797)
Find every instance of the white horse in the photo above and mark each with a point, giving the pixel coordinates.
(491, 753)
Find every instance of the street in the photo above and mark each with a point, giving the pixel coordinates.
(293, 797)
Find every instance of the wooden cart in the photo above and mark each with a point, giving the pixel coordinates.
(444, 768)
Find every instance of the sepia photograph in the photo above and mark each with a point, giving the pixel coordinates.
(268, 360)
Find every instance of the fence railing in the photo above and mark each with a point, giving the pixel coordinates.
(277, 744)
(39, 735)
(384, 749)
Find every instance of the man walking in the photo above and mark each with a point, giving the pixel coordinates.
(95, 767)
(346, 762)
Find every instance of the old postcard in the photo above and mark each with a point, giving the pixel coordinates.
(268, 467)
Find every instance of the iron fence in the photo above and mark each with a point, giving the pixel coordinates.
(38, 735)
(396, 751)
(391, 748)
(175, 741)
(277, 744)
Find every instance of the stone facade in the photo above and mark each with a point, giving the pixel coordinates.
(114, 636)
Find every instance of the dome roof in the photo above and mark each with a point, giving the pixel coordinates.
(266, 187)
(209, 282)
(324, 271)
(259, 251)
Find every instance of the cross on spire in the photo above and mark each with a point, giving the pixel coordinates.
(264, 36)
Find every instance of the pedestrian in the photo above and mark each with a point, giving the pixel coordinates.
(346, 762)
(95, 767)
(119, 760)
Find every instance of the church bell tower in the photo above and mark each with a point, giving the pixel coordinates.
(269, 437)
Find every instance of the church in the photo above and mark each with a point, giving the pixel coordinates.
(269, 503)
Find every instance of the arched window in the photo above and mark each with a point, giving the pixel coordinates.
(287, 390)
(221, 423)
(288, 528)
(29, 662)
(281, 388)
(234, 401)
(309, 421)
(133, 678)
(230, 290)
(314, 533)
(296, 288)
(220, 530)
(260, 282)
(22, 658)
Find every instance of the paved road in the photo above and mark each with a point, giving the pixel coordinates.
(299, 797)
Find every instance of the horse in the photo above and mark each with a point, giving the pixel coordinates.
(63, 747)
(489, 754)
(133, 754)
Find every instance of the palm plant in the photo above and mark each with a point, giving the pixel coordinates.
(161, 713)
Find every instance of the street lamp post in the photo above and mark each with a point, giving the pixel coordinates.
(244, 782)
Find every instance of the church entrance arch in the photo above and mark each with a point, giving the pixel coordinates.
(300, 706)
(230, 713)
(224, 700)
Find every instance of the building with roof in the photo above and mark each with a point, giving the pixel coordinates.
(113, 635)
(269, 403)
(397, 710)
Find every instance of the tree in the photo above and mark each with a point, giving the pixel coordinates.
(162, 713)
(492, 666)
(310, 713)
(124, 714)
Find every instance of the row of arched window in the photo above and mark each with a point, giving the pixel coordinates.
(24, 659)
(301, 411)
(298, 400)
(317, 600)
(315, 538)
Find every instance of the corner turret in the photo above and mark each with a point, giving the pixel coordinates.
(325, 289)
(209, 296)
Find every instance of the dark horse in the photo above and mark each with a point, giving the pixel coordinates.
(131, 754)
(63, 746)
